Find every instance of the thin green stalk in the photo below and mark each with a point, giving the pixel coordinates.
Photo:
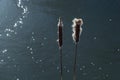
(75, 63)
(61, 69)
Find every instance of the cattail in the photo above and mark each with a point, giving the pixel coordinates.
(60, 43)
(60, 34)
(77, 30)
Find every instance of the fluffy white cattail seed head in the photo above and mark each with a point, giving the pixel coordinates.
(77, 29)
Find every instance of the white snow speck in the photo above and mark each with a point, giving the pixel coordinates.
(110, 19)
(1, 60)
(118, 50)
(43, 71)
(100, 68)
(17, 79)
(81, 69)
(28, 47)
(45, 38)
(4, 51)
(92, 63)
(40, 60)
(107, 75)
(33, 33)
(31, 52)
(68, 70)
(8, 35)
(83, 66)
(31, 49)
(32, 57)
(95, 37)
(42, 44)
(8, 57)
(57, 67)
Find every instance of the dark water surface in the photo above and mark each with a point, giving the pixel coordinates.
(28, 34)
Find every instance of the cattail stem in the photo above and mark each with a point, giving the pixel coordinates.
(75, 63)
(77, 30)
(60, 43)
(61, 69)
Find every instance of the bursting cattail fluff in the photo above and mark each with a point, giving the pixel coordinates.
(60, 34)
(77, 29)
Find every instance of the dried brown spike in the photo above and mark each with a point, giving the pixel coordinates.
(60, 34)
(77, 29)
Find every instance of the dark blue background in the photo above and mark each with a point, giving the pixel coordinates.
(28, 47)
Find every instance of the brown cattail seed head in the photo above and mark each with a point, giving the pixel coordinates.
(60, 34)
(77, 29)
